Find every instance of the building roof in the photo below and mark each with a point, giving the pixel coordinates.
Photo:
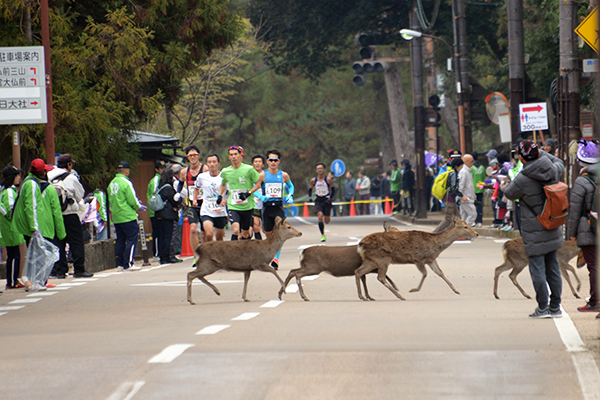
(147, 137)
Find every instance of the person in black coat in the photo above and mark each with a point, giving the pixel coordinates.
(408, 188)
(166, 217)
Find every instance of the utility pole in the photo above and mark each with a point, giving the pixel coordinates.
(569, 72)
(463, 85)
(516, 64)
(46, 43)
(431, 90)
(419, 114)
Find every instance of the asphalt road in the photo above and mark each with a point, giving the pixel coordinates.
(134, 336)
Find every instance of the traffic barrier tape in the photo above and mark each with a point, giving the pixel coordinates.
(337, 203)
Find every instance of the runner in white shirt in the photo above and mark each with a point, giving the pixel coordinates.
(212, 215)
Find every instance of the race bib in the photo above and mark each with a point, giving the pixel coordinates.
(213, 206)
(235, 196)
(273, 190)
(321, 190)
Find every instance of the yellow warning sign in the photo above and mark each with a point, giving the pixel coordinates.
(588, 29)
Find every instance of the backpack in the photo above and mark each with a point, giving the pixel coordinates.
(62, 191)
(556, 207)
(156, 202)
(592, 213)
(439, 185)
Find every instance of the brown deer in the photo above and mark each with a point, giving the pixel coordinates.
(379, 250)
(242, 256)
(516, 259)
(335, 260)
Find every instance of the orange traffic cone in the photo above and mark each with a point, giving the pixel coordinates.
(305, 212)
(186, 247)
(388, 206)
(352, 208)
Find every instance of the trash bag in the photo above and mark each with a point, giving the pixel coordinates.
(41, 256)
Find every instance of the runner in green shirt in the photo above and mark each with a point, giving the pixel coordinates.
(241, 179)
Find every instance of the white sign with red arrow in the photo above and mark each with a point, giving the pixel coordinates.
(533, 117)
(22, 86)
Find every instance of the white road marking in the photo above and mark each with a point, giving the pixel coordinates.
(462, 241)
(501, 240)
(41, 294)
(353, 238)
(170, 353)
(60, 288)
(352, 243)
(271, 304)
(10, 308)
(182, 283)
(86, 279)
(127, 390)
(303, 221)
(292, 288)
(246, 316)
(306, 246)
(585, 365)
(24, 301)
(310, 277)
(71, 284)
(211, 330)
(2, 313)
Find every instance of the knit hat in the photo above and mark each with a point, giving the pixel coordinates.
(528, 150)
(588, 152)
(492, 154)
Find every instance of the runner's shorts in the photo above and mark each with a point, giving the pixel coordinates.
(244, 218)
(193, 215)
(270, 211)
(218, 222)
(323, 205)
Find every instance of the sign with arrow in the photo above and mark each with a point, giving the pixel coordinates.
(533, 117)
(22, 86)
(588, 29)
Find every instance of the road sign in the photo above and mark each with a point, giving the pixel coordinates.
(338, 167)
(588, 29)
(533, 117)
(22, 86)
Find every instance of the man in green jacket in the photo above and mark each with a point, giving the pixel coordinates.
(124, 206)
(159, 168)
(395, 185)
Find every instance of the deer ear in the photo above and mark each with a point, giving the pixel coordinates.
(278, 220)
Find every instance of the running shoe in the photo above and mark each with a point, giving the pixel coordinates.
(323, 238)
(540, 313)
(588, 308)
(50, 285)
(555, 313)
(275, 264)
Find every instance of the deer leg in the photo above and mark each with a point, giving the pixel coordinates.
(364, 282)
(420, 267)
(210, 285)
(391, 282)
(513, 277)
(246, 278)
(565, 274)
(381, 277)
(504, 267)
(436, 268)
(288, 279)
(365, 268)
(190, 278)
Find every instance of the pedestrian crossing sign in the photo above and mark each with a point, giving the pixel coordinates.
(588, 30)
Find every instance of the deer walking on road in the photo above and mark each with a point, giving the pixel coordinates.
(379, 250)
(516, 259)
(335, 260)
(243, 256)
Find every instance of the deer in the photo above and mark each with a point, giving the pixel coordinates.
(336, 260)
(379, 250)
(516, 259)
(240, 256)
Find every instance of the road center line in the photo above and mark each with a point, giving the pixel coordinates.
(41, 294)
(22, 301)
(246, 316)
(212, 329)
(272, 303)
(71, 284)
(11, 308)
(170, 353)
(60, 288)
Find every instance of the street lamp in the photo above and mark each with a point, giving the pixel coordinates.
(409, 34)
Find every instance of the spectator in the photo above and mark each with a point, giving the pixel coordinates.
(375, 206)
(74, 193)
(124, 206)
(582, 196)
(167, 216)
(8, 237)
(395, 185)
(452, 192)
(468, 213)
(159, 168)
(478, 172)
(428, 186)
(179, 186)
(102, 228)
(349, 189)
(363, 186)
(408, 188)
(550, 147)
(385, 185)
(331, 176)
(541, 245)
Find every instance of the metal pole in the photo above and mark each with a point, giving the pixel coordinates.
(463, 76)
(46, 43)
(419, 114)
(516, 64)
(459, 97)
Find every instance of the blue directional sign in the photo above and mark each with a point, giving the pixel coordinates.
(338, 167)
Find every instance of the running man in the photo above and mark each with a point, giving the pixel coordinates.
(258, 162)
(272, 182)
(212, 215)
(195, 202)
(324, 192)
(240, 202)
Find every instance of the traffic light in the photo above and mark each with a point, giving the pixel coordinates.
(367, 67)
(432, 114)
(366, 41)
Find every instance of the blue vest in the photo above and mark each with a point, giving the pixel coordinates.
(272, 187)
